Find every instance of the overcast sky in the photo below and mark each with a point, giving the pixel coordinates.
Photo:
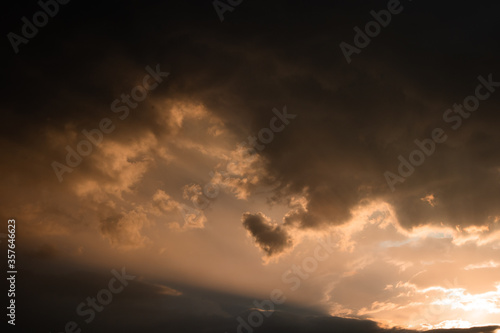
(256, 166)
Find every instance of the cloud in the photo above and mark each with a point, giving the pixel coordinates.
(164, 202)
(353, 121)
(46, 251)
(427, 277)
(124, 230)
(164, 308)
(270, 238)
(350, 128)
(486, 264)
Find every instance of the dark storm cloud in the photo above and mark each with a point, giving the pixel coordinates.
(143, 306)
(355, 120)
(272, 239)
(46, 251)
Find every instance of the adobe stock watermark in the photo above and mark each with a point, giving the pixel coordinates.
(103, 298)
(222, 6)
(294, 276)
(251, 146)
(372, 29)
(455, 116)
(122, 106)
(29, 30)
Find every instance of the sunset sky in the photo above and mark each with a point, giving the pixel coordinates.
(248, 170)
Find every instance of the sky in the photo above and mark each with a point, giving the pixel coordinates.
(264, 166)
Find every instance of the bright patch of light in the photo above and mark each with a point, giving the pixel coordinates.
(452, 324)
